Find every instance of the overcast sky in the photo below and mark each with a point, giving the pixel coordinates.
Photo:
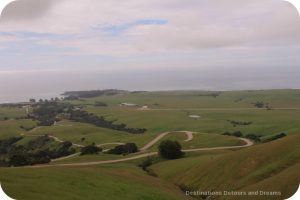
(56, 45)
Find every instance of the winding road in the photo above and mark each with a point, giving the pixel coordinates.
(135, 156)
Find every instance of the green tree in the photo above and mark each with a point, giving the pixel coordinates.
(170, 149)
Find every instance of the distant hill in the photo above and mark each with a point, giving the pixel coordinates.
(94, 93)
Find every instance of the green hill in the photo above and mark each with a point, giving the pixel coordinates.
(267, 167)
(117, 182)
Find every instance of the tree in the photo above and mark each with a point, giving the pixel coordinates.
(170, 149)
(124, 149)
(90, 149)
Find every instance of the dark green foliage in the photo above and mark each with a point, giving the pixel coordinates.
(90, 149)
(170, 149)
(276, 137)
(6, 145)
(239, 123)
(260, 104)
(253, 137)
(235, 133)
(63, 149)
(124, 149)
(145, 163)
(37, 151)
(46, 111)
(85, 117)
(20, 156)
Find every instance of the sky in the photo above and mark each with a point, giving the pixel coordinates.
(50, 46)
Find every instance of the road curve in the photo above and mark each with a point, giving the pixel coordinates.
(189, 135)
(138, 156)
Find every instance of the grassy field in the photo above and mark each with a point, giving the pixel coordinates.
(259, 167)
(109, 182)
(11, 112)
(10, 128)
(269, 166)
(198, 99)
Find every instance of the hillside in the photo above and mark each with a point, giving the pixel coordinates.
(271, 166)
(118, 182)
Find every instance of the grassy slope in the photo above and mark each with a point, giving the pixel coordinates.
(192, 99)
(12, 128)
(11, 112)
(261, 166)
(118, 182)
(201, 140)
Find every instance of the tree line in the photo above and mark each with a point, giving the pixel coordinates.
(38, 151)
(47, 113)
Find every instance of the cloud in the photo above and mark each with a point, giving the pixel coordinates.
(153, 25)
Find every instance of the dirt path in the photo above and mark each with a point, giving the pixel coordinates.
(189, 135)
(143, 155)
(248, 143)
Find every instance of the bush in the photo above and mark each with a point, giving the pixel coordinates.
(253, 137)
(147, 162)
(90, 149)
(170, 149)
(124, 149)
(235, 133)
(276, 137)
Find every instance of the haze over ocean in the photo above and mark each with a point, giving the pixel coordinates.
(20, 86)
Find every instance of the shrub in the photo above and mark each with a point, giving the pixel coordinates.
(170, 149)
(124, 149)
(276, 137)
(235, 133)
(253, 137)
(147, 162)
(90, 149)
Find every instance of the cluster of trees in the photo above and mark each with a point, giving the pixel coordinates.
(234, 133)
(90, 149)
(94, 93)
(85, 117)
(260, 104)
(275, 137)
(239, 123)
(124, 149)
(46, 112)
(36, 151)
(170, 149)
(6, 145)
(254, 137)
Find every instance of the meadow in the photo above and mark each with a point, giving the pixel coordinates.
(266, 166)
